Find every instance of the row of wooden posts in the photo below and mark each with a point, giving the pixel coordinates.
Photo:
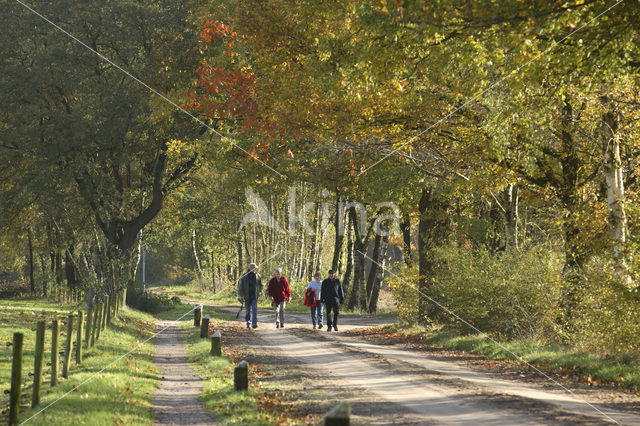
(337, 416)
(241, 372)
(98, 317)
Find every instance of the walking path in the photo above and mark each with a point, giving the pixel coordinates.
(442, 392)
(176, 400)
(421, 387)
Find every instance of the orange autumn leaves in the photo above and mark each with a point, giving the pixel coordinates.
(226, 86)
(223, 92)
(213, 29)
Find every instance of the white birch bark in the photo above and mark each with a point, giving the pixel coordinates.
(613, 174)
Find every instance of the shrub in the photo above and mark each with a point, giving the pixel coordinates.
(606, 318)
(509, 295)
(406, 296)
(15, 288)
(149, 302)
(298, 290)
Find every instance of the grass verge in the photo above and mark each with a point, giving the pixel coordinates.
(121, 394)
(261, 404)
(556, 360)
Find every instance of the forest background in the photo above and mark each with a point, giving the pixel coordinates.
(482, 152)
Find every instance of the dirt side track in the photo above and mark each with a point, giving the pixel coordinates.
(409, 387)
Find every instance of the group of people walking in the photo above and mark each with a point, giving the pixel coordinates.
(320, 295)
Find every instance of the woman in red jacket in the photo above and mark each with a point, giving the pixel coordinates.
(280, 294)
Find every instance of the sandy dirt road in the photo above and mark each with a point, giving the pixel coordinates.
(423, 388)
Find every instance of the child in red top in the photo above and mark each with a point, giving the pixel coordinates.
(315, 287)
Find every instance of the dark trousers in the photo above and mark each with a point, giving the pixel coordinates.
(336, 310)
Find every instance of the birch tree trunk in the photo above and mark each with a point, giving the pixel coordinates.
(511, 217)
(312, 265)
(240, 270)
(349, 259)
(339, 237)
(613, 174)
(138, 255)
(196, 259)
(319, 251)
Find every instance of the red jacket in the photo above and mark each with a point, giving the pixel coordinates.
(279, 290)
(310, 298)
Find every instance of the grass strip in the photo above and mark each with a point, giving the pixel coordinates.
(557, 360)
(121, 394)
(259, 405)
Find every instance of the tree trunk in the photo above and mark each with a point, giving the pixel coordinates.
(405, 227)
(213, 272)
(43, 269)
(574, 244)
(319, 251)
(374, 265)
(375, 290)
(615, 191)
(196, 259)
(301, 262)
(349, 268)
(230, 273)
(338, 220)
(138, 255)
(433, 229)
(240, 265)
(52, 259)
(511, 217)
(246, 245)
(312, 265)
(358, 292)
(70, 270)
(59, 272)
(32, 280)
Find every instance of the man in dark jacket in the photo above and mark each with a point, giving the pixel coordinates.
(332, 296)
(249, 288)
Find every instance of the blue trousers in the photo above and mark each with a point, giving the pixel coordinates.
(250, 305)
(316, 314)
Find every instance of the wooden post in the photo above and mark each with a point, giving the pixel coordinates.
(55, 351)
(68, 345)
(241, 376)
(16, 379)
(216, 344)
(37, 364)
(204, 327)
(79, 338)
(338, 415)
(197, 314)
